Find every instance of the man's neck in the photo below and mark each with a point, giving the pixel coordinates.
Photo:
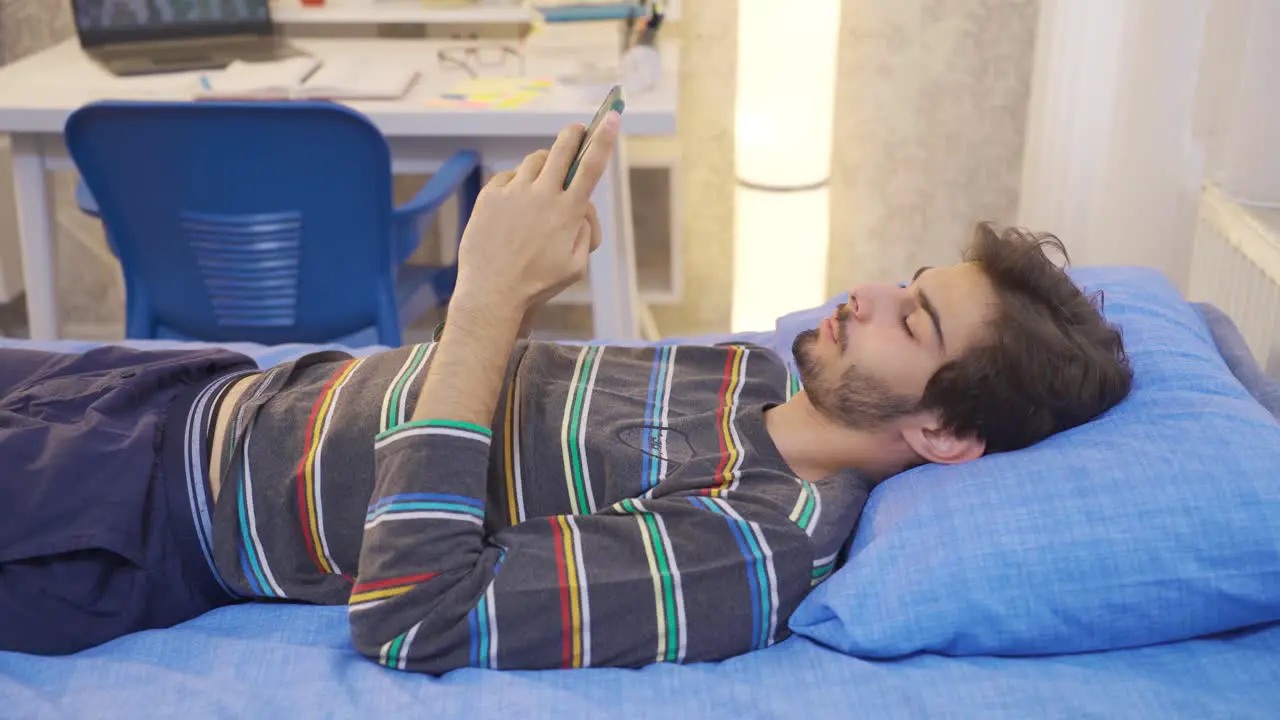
(815, 447)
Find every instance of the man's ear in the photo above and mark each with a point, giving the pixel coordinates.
(937, 445)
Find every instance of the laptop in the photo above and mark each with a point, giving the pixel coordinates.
(140, 37)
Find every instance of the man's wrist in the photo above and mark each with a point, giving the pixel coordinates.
(468, 366)
(478, 312)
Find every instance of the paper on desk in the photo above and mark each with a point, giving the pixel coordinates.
(302, 78)
(274, 79)
(493, 93)
(356, 78)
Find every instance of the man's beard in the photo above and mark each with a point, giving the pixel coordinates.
(856, 399)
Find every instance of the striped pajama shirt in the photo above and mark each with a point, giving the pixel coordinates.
(625, 507)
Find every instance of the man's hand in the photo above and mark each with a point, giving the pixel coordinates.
(528, 238)
(592, 227)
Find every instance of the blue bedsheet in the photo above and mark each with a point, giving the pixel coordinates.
(295, 661)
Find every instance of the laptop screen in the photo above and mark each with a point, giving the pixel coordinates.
(103, 22)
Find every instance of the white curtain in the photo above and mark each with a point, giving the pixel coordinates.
(1134, 105)
(1111, 163)
(1238, 111)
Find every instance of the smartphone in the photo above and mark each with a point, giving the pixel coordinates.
(613, 101)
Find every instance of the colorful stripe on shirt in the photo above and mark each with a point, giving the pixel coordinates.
(511, 454)
(200, 420)
(822, 568)
(734, 377)
(573, 431)
(793, 383)
(808, 507)
(253, 558)
(668, 591)
(575, 603)
(761, 575)
(395, 653)
(365, 594)
(482, 620)
(395, 400)
(310, 505)
(424, 506)
(653, 462)
(454, 428)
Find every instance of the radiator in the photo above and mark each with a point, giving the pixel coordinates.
(1235, 264)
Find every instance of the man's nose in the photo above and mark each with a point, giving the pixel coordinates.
(859, 304)
(866, 300)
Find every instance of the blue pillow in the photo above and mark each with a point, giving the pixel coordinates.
(1157, 522)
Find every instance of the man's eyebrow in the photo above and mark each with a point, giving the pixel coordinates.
(932, 312)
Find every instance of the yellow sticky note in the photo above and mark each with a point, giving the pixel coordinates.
(495, 92)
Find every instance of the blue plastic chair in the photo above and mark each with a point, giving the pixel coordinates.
(260, 221)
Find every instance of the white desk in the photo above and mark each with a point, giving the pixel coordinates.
(400, 12)
(38, 93)
(415, 12)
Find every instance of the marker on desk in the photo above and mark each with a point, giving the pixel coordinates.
(650, 33)
(204, 83)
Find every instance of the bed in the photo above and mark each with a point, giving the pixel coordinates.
(949, 632)
(295, 662)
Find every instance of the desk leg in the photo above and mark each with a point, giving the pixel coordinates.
(35, 234)
(615, 292)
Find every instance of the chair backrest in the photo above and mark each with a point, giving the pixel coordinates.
(243, 221)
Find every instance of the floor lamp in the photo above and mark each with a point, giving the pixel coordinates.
(783, 125)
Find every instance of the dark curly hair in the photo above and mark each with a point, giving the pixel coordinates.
(1050, 360)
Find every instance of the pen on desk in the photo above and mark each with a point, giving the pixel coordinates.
(649, 35)
(204, 83)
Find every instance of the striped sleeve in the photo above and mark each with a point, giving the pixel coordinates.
(423, 533)
(671, 579)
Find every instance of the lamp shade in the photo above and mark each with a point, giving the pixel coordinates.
(783, 136)
(786, 91)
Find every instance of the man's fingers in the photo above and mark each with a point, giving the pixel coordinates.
(599, 150)
(501, 179)
(531, 167)
(561, 155)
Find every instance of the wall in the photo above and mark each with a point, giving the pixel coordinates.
(930, 112)
(88, 276)
(930, 108)
(705, 127)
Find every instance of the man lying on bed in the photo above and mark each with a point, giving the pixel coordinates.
(483, 501)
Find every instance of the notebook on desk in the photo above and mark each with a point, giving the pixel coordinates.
(307, 78)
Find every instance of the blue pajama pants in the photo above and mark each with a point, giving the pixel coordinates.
(99, 536)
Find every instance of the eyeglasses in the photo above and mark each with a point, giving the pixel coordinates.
(477, 60)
